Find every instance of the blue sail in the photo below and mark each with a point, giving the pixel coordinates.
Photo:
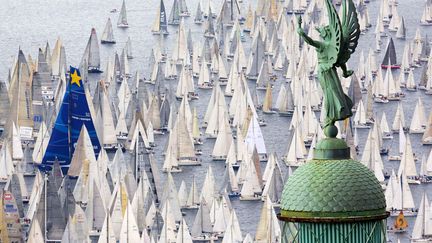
(74, 113)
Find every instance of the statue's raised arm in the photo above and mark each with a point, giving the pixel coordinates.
(306, 38)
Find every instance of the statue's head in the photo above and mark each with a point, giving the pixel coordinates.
(324, 31)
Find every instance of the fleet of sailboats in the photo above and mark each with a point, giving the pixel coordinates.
(94, 158)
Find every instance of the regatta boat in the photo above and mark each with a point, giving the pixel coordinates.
(160, 26)
(91, 55)
(400, 224)
(399, 197)
(174, 17)
(390, 59)
(108, 35)
(122, 20)
(74, 113)
(199, 15)
(422, 231)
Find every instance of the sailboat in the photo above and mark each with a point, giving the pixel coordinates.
(390, 59)
(285, 101)
(91, 57)
(267, 107)
(199, 14)
(106, 122)
(422, 231)
(73, 114)
(108, 35)
(122, 20)
(400, 224)
(160, 26)
(20, 88)
(183, 235)
(209, 31)
(202, 227)
(401, 30)
(193, 199)
(399, 197)
(426, 18)
(50, 210)
(174, 17)
(418, 122)
(184, 12)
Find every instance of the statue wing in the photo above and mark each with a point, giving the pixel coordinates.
(334, 44)
(350, 31)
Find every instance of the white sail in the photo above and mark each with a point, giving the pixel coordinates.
(423, 224)
(108, 132)
(91, 53)
(223, 140)
(170, 194)
(254, 136)
(183, 235)
(208, 191)
(138, 133)
(233, 232)
(167, 233)
(296, 151)
(418, 122)
(17, 151)
(251, 186)
(129, 230)
(118, 207)
(193, 196)
(122, 20)
(41, 144)
(35, 235)
(108, 34)
(407, 165)
(55, 58)
(96, 208)
(202, 224)
(83, 151)
(222, 215)
(182, 194)
(107, 233)
(399, 119)
(6, 164)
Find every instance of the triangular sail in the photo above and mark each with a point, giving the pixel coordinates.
(74, 113)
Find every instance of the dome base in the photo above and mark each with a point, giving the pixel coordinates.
(331, 148)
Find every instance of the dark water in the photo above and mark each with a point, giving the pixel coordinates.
(29, 24)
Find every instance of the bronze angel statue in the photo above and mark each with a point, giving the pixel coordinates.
(339, 41)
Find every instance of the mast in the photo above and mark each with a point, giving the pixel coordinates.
(45, 207)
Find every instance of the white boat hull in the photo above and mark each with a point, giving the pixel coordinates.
(219, 158)
(394, 158)
(406, 213)
(250, 198)
(189, 162)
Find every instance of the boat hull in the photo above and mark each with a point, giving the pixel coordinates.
(189, 162)
(94, 70)
(383, 66)
(219, 158)
(250, 198)
(406, 213)
(107, 42)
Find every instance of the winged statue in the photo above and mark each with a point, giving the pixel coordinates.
(339, 41)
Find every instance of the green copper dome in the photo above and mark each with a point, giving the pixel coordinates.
(338, 189)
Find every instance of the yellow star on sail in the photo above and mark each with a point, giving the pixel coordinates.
(75, 78)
